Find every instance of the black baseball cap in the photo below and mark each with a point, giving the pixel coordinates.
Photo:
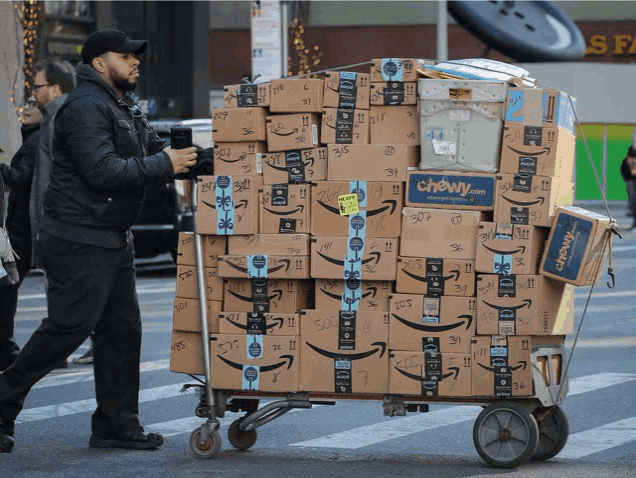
(108, 39)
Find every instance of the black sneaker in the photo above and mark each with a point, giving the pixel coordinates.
(7, 431)
(134, 440)
(86, 358)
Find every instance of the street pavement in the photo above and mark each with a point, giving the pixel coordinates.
(350, 439)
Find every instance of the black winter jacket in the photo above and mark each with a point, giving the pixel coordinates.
(104, 154)
(17, 176)
(625, 171)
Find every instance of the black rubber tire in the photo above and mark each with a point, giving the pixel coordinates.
(241, 440)
(505, 435)
(553, 434)
(210, 448)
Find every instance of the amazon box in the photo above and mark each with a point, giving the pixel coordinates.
(297, 96)
(430, 374)
(267, 363)
(451, 190)
(213, 247)
(262, 266)
(186, 352)
(267, 296)
(228, 205)
(432, 324)
(395, 69)
(434, 277)
(540, 107)
(353, 258)
(524, 199)
(270, 244)
(284, 209)
(344, 352)
(345, 89)
(343, 126)
(371, 162)
(439, 233)
(246, 96)
(523, 305)
(502, 365)
(295, 166)
(289, 132)
(187, 317)
(537, 150)
(187, 284)
(353, 295)
(380, 201)
(232, 125)
(509, 249)
(575, 251)
(394, 93)
(394, 125)
(238, 158)
(240, 323)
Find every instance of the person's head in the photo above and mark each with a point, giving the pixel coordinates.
(53, 77)
(113, 55)
(631, 152)
(30, 113)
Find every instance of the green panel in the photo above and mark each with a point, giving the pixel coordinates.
(619, 138)
(586, 185)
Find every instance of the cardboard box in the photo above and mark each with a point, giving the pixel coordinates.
(186, 353)
(187, 317)
(394, 93)
(451, 190)
(292, 131)
(381, 202)
(352, 295)
(524, 199)
(435, 277)
(540, 107)
(297, 96)
(267, 363)
(344, 352)
(187, 285)
(430, 374)
(440, 233)
(502, 365)
(432, 324)
(395, 69)
(262, 266)
(575, 251)
(371, 162)
(232, 159)
(342, 126)
(377, 260)
(228, 205)
(295, 166)
(284, 209)
(240, 323)
(259, 295)
(213, 247)
(537, 150)
(523, 305)
(345, 89)
(270, 244)
(509, 249)
(394, 125)
(230, 125)
(246, 96)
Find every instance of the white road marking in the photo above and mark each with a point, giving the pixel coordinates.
(140, 291)
(600, 438)
(597, 381)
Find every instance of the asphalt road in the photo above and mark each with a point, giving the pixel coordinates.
(350, 439)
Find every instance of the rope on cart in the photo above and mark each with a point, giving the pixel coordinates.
(330, 69)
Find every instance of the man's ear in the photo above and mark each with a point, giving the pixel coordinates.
(57, 91)
(99, 64)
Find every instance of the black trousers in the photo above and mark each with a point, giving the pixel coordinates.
(91, 289)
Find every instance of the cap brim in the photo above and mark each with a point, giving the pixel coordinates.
(133, 46)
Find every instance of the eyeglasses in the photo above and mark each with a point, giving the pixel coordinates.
(35, 87)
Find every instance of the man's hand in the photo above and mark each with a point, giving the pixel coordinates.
(182, 159)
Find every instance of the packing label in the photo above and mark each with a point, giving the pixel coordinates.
(528, 165)
(430, 345)
(247, 96)
(344, 126)
(502, 264)
(503, 381)
(352, 295)
(519, 215)
(503, 231)
(224, 205)
(566, 249)
(394, 93)
(507, 286)
(348, 204)
(347, 330)
(259, 296)
(295, 167)
(280, 195)
(257, 266)
(434, 266)
(430, 310)
(347, 90)
(444, 148)
(251, 377)
(434, 286)
(355, 253)
(392, 69)
(532, 135)
(446, 189)
(256, 323)
(259, 163)
(254, 349)
(522, 183)
(342, 375)
(287, 226)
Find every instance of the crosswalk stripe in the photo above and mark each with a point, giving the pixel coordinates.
(153, 290)
(600, 438)
(597, 381)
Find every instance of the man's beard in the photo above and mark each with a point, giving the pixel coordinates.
(121, 83)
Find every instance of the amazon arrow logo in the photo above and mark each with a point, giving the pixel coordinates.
(454, 273)
(523, 153)
(522, 365)
(240, 158)
(309, 162)
(355, 356)
(436, 328)
(288, 359)
(390, 204)
(521, 249)
(278, 322)
(286, 265)
(417, 378)
(276, 293)
(300, 209)
(526, 303)
(293, 131)
(339, 297)
(376, 257)
(541, 200)
(242, 203)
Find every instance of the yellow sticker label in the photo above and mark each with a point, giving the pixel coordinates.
(348, 204)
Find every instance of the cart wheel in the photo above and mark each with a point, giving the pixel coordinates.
(505, 434)
(210, 448)
(553, 434)
(241, 440)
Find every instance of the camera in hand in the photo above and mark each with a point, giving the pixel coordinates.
(181, 138)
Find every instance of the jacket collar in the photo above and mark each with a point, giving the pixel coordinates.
(52, 106)
(28, 129)
(88, 73)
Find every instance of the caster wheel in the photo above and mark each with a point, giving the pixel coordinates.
(241, 440)
(201, 412)
(210, 448)
(553, 434)
(505, 435)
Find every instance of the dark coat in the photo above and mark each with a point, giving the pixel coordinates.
(625, 171)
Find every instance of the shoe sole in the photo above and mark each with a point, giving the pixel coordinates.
(97, 442)
(82, 362)
(7, 446)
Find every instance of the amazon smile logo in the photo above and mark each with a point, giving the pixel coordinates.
(521, 365)
(287, 359)
(339, 355)
(539, 201)
(293, 131)
(277, 322)
(521, 249)
(308, 163)
(376, 256)
(390, 204)
(286, 264)
(453, 371)
(276, 295)
(545, 151)
(526, 303)
(372, 291)
(455, 273)
(468, 320)
(240, 158)
(299, 209)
